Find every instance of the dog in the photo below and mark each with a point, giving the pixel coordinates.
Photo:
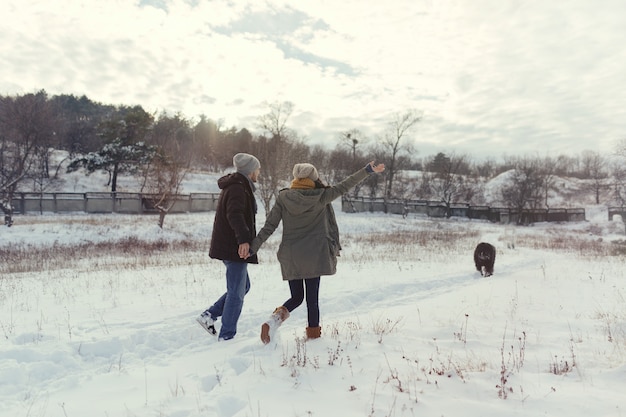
(484, 258)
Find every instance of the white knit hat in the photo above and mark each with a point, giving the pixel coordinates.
(305, 170)
(245, 163)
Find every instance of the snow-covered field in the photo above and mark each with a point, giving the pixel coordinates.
(409, 327)
(97, 318)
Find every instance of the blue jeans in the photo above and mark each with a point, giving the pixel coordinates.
(296, 287)
(229, 305)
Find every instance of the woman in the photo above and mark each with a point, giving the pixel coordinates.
(310, 241)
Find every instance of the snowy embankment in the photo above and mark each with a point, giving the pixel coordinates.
(408, 328)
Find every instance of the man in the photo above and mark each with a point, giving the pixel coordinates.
(234, 228)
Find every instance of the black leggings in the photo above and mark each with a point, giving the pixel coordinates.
(296, 287)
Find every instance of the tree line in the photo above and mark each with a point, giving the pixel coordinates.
(161, 148)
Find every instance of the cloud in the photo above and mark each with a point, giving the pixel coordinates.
(490, 76)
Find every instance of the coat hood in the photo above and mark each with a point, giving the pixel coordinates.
(230, 179)
(298, 201)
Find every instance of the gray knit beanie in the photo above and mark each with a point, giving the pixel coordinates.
(245, 163)
(305, 170)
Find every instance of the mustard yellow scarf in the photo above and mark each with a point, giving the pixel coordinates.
(302, 184)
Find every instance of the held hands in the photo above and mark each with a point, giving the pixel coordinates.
(244, 250)
(377, 168)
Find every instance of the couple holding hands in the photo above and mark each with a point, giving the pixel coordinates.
(308, 249)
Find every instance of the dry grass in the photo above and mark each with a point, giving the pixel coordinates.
(439, 238)
(129, 252)
(572, 243)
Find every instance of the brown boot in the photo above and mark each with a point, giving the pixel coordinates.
(276, 319)
(313, 332)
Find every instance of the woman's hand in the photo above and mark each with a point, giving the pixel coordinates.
(377, 168)
(244, 250)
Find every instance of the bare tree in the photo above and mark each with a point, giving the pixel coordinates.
(40, 173)
(166, 167)
(619, 178)
(619, 188)
(566, 166)
(395, 145)
(348, 157)
(278, 152)
(547, 170)
(26, 125)
(275, 120)
(340, 163)
(422, 187)
(449, 181)
(595, 167)
(163, 177)
(353, 139)
(486, 168)
(524, 188)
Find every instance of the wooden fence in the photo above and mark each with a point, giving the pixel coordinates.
(617, 211)
(132, 203)
(137, 203)
(437, 209)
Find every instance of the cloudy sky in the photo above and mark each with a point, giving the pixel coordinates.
(489, 76)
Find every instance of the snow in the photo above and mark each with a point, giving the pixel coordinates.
(407, 329)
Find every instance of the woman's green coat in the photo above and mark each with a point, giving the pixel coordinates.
(310, 242)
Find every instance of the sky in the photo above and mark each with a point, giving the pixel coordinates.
(489, 77)
(407, 330)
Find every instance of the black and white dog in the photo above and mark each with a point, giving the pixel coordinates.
(484, 258)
